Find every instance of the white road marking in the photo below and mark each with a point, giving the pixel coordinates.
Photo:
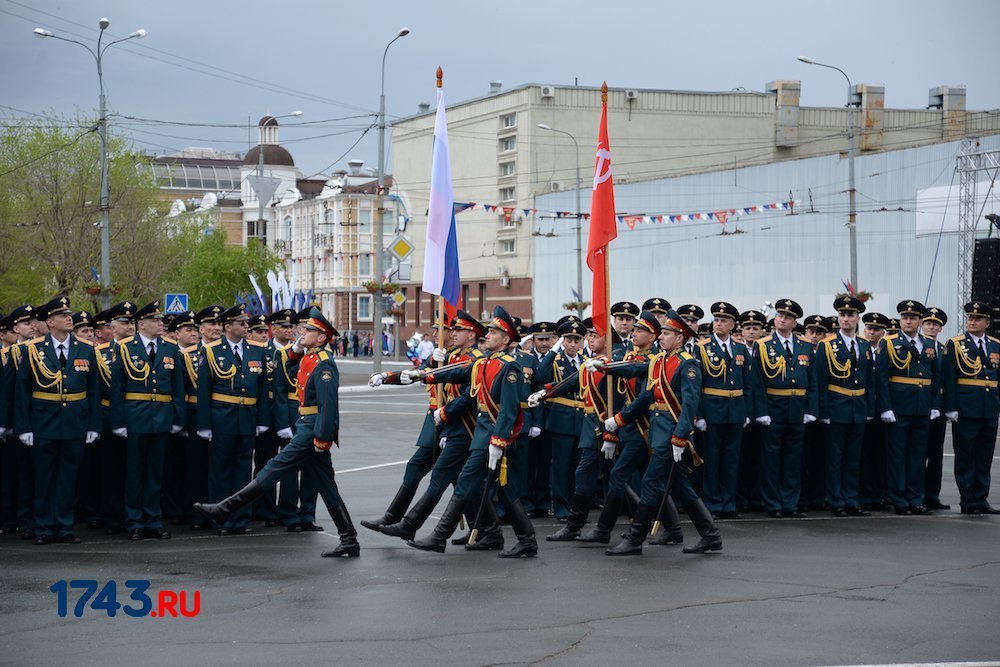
(380, 465)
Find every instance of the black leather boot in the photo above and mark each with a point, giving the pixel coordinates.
(438, 539)
(601, 533)
(670, 526)
(524, 530)
(348, 547)
(395, 510)
(577, 517)
(711, 538)
(489, 537)
(414, 519)
(636, 535)
(470, 519)
(631, 501)
(219, 512)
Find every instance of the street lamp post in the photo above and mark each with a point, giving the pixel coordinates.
(377, 223)
(579, 216)
(102, 129)
(851, 213)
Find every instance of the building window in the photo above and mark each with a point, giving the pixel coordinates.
(286, 229)
(365, 266)
(505, 247)
(365, 307)
(328, 215)
(507, 169)
(508, 144)
(508, 120)
(364, 216)
(507, 194)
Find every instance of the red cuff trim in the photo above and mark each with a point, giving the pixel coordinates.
(610, 437)
(619, 420)
(679, 442)
(444, 416)
(497, 441)
(322, 445)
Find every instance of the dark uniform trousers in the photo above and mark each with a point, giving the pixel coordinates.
(422, 460)
(905, 459)
(974, 440)
(781, 448)
(843, 463)
(935, 459)
(661, 427)
(145, 454)
(722, 444)
(55, 463)
(299, 453)
(813, 466)
(229, 461)
(632, 459)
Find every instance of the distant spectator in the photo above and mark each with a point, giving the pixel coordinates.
(425, 348)
(355, 341)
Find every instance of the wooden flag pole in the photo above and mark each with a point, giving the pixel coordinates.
(439, 388)
(608, 338)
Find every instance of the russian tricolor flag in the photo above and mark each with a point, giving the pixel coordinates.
(441, 274)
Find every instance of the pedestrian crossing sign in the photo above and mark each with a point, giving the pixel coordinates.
(176, 303)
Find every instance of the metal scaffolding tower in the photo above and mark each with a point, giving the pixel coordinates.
(970, 162)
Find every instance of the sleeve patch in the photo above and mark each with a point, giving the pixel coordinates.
(326, 375)
(512, 377)
(692, 373)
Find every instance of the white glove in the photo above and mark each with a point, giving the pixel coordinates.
(824, 421)
(559, 345)
(610, 425)
(701, 424)
(92, 437)
(175, 429)
(318, 450)
(534, 432)
(950, 416)
(935, 413)
(261, 430)
(297, 346)
(869, 419)
(120, 432)
(608, 449)
(438, 355)
(285, 433)
(594, 363)
(404, 378)
(746, 422)
(205, 435)
(27, 439)
(3, 431)
(494, 454)
(889, 417)
(678, 453)
(764, 421)
(437, 416)
(442, 442)
(376, 380)
(808, 419)
(535, 398)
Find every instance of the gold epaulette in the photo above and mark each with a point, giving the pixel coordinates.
(828, 338)
(958, 339)
(506, 357)
(125, 341)
(254, 343)
(169, 340)
(995, 340)
(686, 356)
(85, 342)
(890, 337)
(476, 353)
(35, 341)
(323, 355)
(703, 342)
(190, 348)
(213, 343)
(102, 346)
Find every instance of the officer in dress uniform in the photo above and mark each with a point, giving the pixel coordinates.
(752, 323)
(564, 414)
(623, 314)
(726, 407)
(496, 381)
(787, 405)
(189, 455)
(538, 499)
(519, 453)
(671, 396)
(814, 443)
(873, 489)
(112, 448)
(147, 407)
(18, 471)
(846, 382)
(265, 445)
(316, 432)
(57, 411)
(931, 328)
(972, 404)
(907, 399)
(232, 403)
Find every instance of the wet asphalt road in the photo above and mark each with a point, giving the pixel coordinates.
(817, 591)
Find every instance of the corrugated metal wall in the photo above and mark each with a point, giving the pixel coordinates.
(767, 256)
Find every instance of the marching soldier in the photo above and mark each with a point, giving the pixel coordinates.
(846, 382)
(726, 407)
(316, 432)
(972, 404)
(564, 415)
(56, 411)
(147, 407)
(931, 328)
(787, 406)
(519, 453)
(671, 395)
(496, 383)
(907, 399)
(232, 406)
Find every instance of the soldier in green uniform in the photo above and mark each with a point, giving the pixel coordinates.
(845, 378)
(147, 407)
(316, 432)
(56, 411)
(691, 314)
(538, 498)
(88, 481)
(623, 314)
(784, 409)
(112, 448)
(671, 396)
(972, 403)
(232, 404)
(728, 389)
(934, 320)
(191, 455)
(814, 443)
(19, 473)
(906, 369)
(752, 323)
(873, 486)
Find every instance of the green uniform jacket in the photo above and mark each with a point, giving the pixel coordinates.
(787, 388)
(232, 399)
(147, 398)
(728, 385)
(564, 414)
(286, 401)
(39, 407)
(846, 388)
(908, 382)
(321, 392)
(686, 385)
(970, 380)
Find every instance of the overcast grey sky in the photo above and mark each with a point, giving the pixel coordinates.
(221, 61)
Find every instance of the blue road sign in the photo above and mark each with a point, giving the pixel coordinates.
(176, 303)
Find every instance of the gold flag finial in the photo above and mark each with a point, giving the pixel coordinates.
(440, 77)
(604, 93)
